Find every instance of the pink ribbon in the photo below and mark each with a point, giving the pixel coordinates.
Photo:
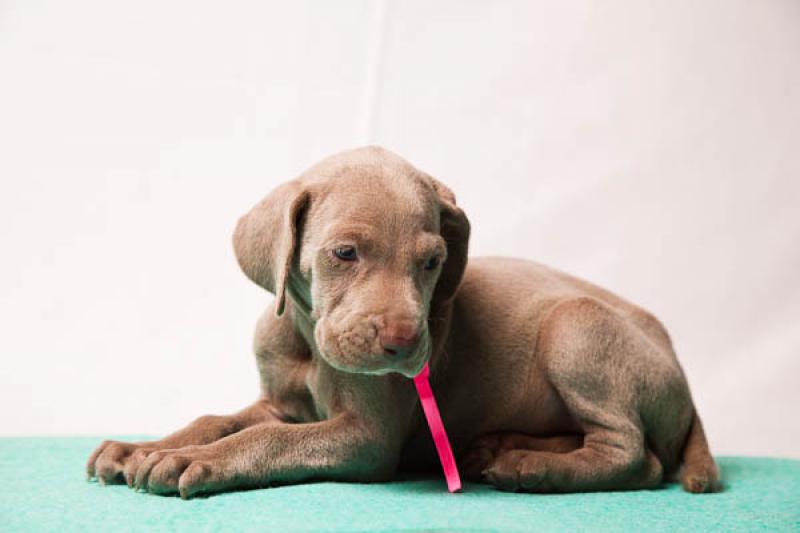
(421, 381)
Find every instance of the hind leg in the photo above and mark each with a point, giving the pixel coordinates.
(484, 450)
(599, 365)
(598, 465)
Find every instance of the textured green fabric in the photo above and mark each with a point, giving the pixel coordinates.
(43, 489)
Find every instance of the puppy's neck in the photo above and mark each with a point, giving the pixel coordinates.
(440, 320)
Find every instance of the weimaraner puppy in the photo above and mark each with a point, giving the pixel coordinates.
(546, 383)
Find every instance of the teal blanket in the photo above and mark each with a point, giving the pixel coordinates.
(44, 489)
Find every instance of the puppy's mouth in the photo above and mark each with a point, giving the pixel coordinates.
(405, 361)
(408, 365)
(381, 364)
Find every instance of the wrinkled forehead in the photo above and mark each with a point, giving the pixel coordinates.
(393, 204)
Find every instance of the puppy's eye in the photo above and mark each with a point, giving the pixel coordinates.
(432, 263)
(346, 253)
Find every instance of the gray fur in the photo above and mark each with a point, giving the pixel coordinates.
(546, 383)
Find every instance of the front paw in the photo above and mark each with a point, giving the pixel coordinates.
(186, 471)
(115, 462)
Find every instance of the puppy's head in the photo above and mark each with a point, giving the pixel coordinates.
(365, 244)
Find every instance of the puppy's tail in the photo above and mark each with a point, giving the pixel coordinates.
(700, 473)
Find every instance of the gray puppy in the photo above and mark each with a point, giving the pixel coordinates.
(546, 383)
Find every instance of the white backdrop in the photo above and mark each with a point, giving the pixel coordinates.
(651, 147)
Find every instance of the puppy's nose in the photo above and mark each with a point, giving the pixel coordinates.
(399, 337)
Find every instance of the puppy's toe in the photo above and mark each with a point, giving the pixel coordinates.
(482, 452)
(164, 476)
(109, 463)
(199, 477)
(132, 465)
(141, 479)
(516, 470)
(110, 474)
(91, 470)
(503, 472)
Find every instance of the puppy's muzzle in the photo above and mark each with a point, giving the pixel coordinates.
(399, 337)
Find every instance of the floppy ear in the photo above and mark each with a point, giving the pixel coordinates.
(266, 237)
(454, 228)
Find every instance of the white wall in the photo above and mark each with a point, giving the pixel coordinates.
(650, 147)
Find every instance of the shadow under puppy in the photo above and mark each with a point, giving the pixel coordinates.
(546, 383)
